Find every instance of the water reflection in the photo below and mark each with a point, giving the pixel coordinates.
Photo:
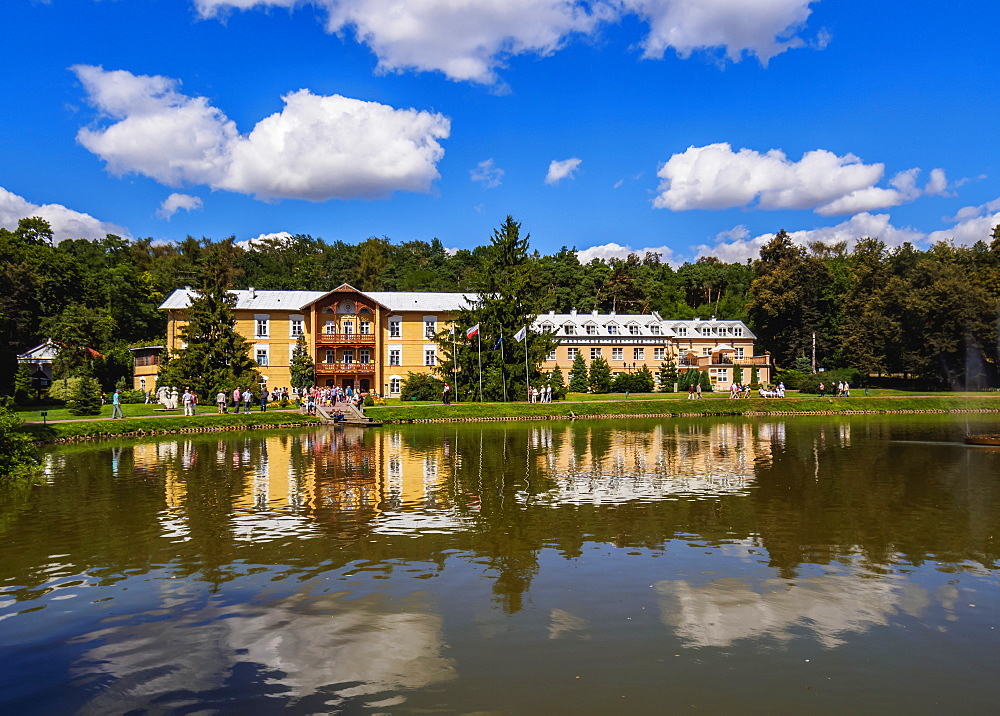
(341, 568)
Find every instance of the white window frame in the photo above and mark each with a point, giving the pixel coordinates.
(569, 329)
(430, 356)
(551, 355)
(260, 349)
(330, 328)
(330, 357)
(395, 384)
(572, 352)
(395, 356)
(738, 332)
(654, 330)
(348, 327)
(595, 353)
(430, 326)
(638, 354)
(591, 329)
(659, 354)
(348, 355)
(613, 329)
(296, 326)
(364, 356)
(366, 328)
(633, 329)
(682, 330)
(395, 327)
(739, 353)
(617, 353)
(262, 325)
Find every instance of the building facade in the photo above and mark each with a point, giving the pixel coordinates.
(372, 340)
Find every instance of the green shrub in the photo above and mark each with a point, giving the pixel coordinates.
(810, 384)
(640, 382)
(131, 397)
(63, 388)
(86, 399)
(421, 386)
(791, 378)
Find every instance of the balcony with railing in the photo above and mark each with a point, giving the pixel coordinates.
(341, 367)
(327, 339)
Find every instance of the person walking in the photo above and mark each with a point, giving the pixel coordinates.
(697, 390)
(116, 406)
(188, 401)
(446, 394)
(237, 399)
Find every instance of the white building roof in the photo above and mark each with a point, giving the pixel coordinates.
(711, 328)
(247, 300)
(43, 353)
(601, 324)
(423, 300)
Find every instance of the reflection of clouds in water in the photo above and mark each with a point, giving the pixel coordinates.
(257, 527)
(727, 610)
(300, 645)
(566, 625)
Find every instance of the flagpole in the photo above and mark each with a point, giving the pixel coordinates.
(479, 339)
(503, 373)
(454, 362)
(527, 383)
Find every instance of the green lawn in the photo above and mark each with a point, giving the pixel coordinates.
(33, 413)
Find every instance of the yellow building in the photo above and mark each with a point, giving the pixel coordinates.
(372, 340)
(368, 341)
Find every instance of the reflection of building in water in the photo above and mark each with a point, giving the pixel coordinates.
(601, 465)
(303, 646)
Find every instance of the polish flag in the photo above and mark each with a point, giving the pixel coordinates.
(474, 331)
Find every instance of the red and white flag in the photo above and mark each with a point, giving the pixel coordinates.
(474, 331)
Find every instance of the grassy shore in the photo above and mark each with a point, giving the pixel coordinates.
(677, 407)
(86, 429)
(33, 413)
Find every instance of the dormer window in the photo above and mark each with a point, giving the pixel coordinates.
(682, 330)
(548, 328)
(591, 329)
(654, 330)
(569, 329)
(737, 331)
(633, 329)
(612, 330)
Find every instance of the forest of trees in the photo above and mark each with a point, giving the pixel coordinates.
(932, 314)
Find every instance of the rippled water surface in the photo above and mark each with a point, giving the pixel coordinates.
(813, 565)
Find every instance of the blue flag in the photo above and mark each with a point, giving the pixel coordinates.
(497, 344)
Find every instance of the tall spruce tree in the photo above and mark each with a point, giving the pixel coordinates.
(215, 357)
(302, 367)
(599, 378)
(578, 379)
(510, 298)
(667, 376)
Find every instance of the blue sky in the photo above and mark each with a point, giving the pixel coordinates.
(690, 127)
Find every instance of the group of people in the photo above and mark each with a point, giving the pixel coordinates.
(235, 400)
(843, 389)
(540, 395)
(330, 397)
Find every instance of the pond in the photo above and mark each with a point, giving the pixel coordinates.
(630, 566)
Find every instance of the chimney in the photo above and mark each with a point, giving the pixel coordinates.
(595, 312)
(552, 312)
(253, 292)
(572, 312)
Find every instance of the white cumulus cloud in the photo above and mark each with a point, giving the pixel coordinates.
(175, 202)
(65, 223)
(488, 173)
(972, 224)
(470, 39)
(317, 148)
(737, 245)
(716, 177)
(612, 250)
(561, 169)
(763, 28)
